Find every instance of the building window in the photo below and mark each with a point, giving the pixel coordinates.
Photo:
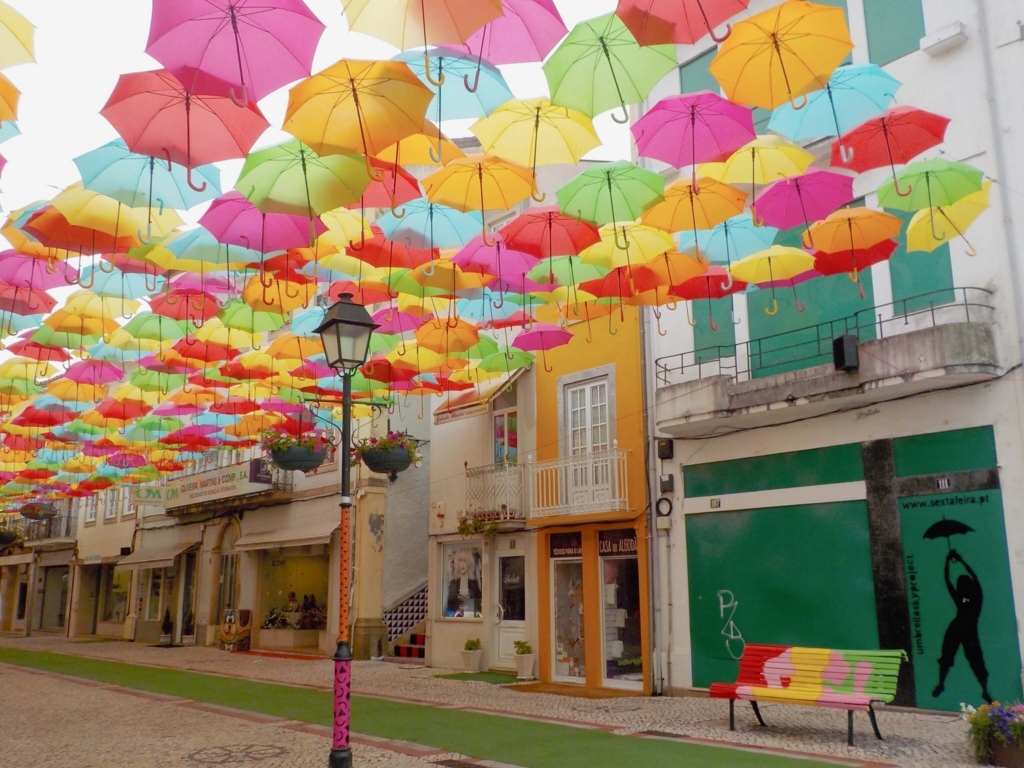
(228, 580)
(116, 584)
(506, 437)
(294, 591)
(112, 504)
(154, 593)
(588, 417)
(90, 509)
(895, 28)
(462, 580)
(694, 75)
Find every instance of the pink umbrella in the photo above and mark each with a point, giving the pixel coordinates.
(391, 320)
(799, 200)
(215, 45)
(233, 220)
(495, 259)
(126, 460)
(197, 283)
(93, 372)
(540, 338)
(27, 272)
(693, 128)
(527, 31)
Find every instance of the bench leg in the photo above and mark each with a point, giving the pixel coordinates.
(849, 727)
(874, 723)
(732, 715)
(757, 712)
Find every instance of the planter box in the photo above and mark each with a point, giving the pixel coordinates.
(524, 666)
(387, 461)
(287, 639)
(299, 458)
(473, 660)
(1007, 755)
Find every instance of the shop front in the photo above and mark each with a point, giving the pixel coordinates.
(592, 589)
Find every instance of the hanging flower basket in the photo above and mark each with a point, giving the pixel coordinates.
(388, 455)
(299, 458)
(38, 511)
(7, 538)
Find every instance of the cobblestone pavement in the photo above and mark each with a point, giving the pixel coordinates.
(911, 740)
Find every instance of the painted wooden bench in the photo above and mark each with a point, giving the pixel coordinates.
(815, 677)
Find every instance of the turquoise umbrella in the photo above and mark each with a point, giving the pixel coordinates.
(429, 225)
(117, 284)
(8, 130)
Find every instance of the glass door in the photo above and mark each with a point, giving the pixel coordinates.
(567, 648)
(510, 606)
(620, 617)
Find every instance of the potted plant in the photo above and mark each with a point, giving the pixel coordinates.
(304, 453)
(8, 537)
(473, 655)
(524, 660)
(188, 628)
(166, 629)
(997, 733)
(388, 455)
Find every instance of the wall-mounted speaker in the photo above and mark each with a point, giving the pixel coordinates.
(844, 353)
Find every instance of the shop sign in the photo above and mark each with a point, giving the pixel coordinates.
(566, 544)
(209, 486)
(148, 496)
(617, 542)
(261, 471)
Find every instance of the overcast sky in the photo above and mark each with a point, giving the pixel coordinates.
(83, 45)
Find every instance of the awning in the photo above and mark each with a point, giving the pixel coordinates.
(472, 402)
(293, 533)
(159, 546)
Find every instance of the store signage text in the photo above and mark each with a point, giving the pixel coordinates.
(566, 545)
(618, 542)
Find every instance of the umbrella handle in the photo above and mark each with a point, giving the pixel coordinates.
(430, 78)
(625, 239)
(149, 234)
(728, 283)
(167, 157)
(430, 272)
(775, 308)
(716, 38)
(896, 186)
(398, 213)
(971, 250)
(435, 156)
(845, 152)
(501, 301)
(937, 236)
(796, 301)
(796, 103)
(156, 281)
(476, 81)
(375, 174)
(625, 118)
(538, 196)
(201, 187)
(758, 221)
(691, 323)
(484, 236)
(712, 323)
(104, 270)
(160, 209)
(80, 281)
(241, 101)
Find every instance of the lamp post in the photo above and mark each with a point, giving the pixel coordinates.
(345, 332)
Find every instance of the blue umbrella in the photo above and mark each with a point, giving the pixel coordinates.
(200, 245)
(853, 94)
(306, 323)
(732, 239)
(139, 180)
(8, 130)
(118, 284)
(429, 225)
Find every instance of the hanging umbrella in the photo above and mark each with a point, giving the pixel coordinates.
(854, 93)
(90, 210)
(493, 259)
(439, 336)
(617, 191)
(643, 244)
(526, 31)
(775, 264)
(930, 184)
(693, 207)
(479, 183)
(452, 69)
(357, 106)
(546, 232)
(762, 161)
(799, 200)
(852, 260)
(17, 43)
(32, 273)
(852, 228)
(782, 54)
(684, 22)
(157, 116)
(390, 186)
(600, 66)
(418, 148)
(233, 220)
(953, 220)
(408, 24)
(430, 225)
(9, 97)
(897, 136)
(535, 132)
(19, 300)
(693, 128)
(540, 338)
(218, 46)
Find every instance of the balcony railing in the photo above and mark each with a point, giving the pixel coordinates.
(494, 493)
(811, 346)
(60, 527)
(578, 485)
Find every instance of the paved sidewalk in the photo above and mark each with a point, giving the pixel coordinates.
(912, 740)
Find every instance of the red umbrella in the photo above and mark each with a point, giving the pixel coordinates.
(19, 300)
(897, 136)
(713, 284)
(545, 232)
(656, 22)
(192, 305)
(123, 410)
(50, 227)
(157, 116)
(364, 296)
(378, 251)
(390, 186)
(854, 259)
(25, 347)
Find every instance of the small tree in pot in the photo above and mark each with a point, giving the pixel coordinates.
(524, 660)
(473, 655)
(166, 629)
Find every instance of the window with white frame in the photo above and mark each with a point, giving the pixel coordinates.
(587, 416)
(90, 509)
(112, 504)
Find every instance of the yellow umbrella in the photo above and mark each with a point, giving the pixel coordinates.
(289, 346)
(702, 207)
(447, 276)
(535, 132)
(437, 336)
(16, 38)
(9, 96)
(480, 183)
(782, 54)
(773, 265)
(73, 392)
(643, 244)
(412, 23)
(422, 359)
(420, 148)
(951, 219)
(216, 333)
(88, 304)
(420, 306)
(25, 368)
(344, 227)
(766, 159)
(129, 392)
(357, 106)
(278, 295)
(86, 208)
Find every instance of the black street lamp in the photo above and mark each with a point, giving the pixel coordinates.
(345, 332)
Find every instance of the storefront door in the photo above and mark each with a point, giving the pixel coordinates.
(510, 598)
(568, 659)
(620, 609)
(55, 597)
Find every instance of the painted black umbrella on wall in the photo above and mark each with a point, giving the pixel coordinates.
(946, 528)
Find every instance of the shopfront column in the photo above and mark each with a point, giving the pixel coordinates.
(370, 634)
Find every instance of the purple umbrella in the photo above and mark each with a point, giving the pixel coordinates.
(259, 45)
(527, 31)
(540, 338)
(233, 220)
(693, 128)
(799, 200)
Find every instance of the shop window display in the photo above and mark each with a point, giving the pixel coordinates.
(567, 605)
(116, 584)
(462, 581)
(623, 650)
(295, 592)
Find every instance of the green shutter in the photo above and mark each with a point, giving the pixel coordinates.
(694, 75)
(919, 279)
(895, 28)
(957, 451)
(710, 344)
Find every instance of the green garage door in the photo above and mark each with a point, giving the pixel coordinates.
(796, 575)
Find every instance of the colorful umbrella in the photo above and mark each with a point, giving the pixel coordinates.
(685, 22)
(953, 220)
(799, 200)
(453, 99)
(540, 338)
(617, 191)
(693, 207)
(233, 220)
(526, 31)
(772, 265)
(408, 24)
(764, 160)
(546, 232)
(930, 184)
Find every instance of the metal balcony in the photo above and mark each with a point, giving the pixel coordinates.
(587, 483)
(494, 493)
(62, 526)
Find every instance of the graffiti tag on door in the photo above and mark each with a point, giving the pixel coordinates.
(734, 642)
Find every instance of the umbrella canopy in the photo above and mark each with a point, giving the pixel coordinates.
(895, 137)
(930, 184)
(762, 161)
(770, 266)
(655, 22)
(627, 244)
(852, 228)
(17, 38)
(782, 54)
(946, 528)
(546, 232)
(617, 191)
(951, 220)
(429, 225)
(453, 69)
(600, 66)
(703, 206)
(233, 220)
(411, 23)
(225, 47)
(799, 200)
(526, 31)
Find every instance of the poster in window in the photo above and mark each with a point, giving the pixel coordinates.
(462, 574)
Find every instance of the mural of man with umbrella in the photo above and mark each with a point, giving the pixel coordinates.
(967, 597)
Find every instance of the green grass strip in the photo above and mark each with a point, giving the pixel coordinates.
(494, 678)
(485, 737)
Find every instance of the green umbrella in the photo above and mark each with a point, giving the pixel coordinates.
(506, 359)
(565, 270)
(937, 182)
(484, 347)
(156, 381)
(242, 317)
(601, 66)
(611, 192)
(147, 325)
(291, 178)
